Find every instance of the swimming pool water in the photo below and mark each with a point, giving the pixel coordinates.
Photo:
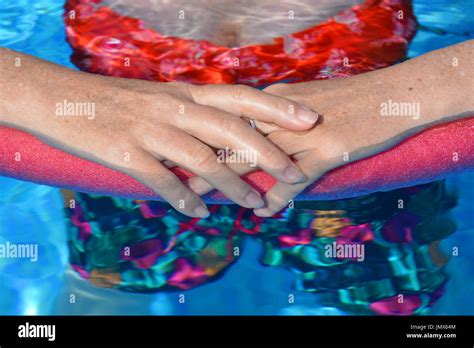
(33, 213)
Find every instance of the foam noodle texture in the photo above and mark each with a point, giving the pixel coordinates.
(433, 154)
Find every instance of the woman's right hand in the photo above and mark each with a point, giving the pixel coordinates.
(137, 125)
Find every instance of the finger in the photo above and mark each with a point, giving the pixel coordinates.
(288, 142)
(267, 128)
(201, 186)
(169, 164)
(281, 193)
(224, 131)
(246, 101)
(169, 187)
(189, 153)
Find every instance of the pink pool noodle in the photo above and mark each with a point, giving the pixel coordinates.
(433, 154)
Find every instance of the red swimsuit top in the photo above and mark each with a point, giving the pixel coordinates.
(362, 38)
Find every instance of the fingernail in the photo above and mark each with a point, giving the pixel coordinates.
(201, 211)
(307, 115)
(254, 200)
(262, 212)
(294, 175)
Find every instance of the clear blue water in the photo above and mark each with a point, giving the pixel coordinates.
(33, 213)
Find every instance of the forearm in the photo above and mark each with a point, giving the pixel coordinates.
(30, 88)
(441, 82)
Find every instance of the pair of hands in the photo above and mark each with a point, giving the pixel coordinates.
(144, 128)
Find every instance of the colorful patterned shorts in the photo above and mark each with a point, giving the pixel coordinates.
(372, 254)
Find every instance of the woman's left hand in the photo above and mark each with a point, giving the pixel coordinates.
(354, 123)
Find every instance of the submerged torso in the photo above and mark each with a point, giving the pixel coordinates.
(230, 23)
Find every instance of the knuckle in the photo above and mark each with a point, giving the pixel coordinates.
(195, 92)
(201, 158)
(171, 99)
(227, 125)
(271, 155)
(163, 181)
(239, 92)
(283, 105)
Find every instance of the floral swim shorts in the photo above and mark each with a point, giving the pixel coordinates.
(372, 254)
